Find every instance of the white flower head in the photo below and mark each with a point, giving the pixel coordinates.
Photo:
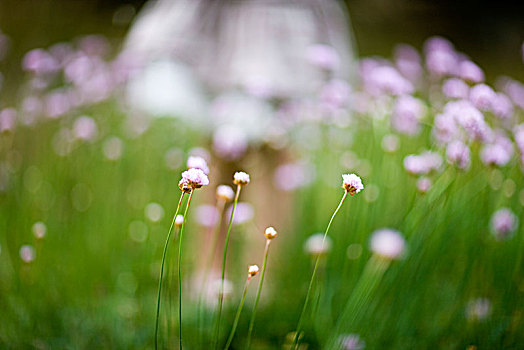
(270, 233)
(252, 270)
(192, 179)
(352, 183)
(179, 220)
(241, 178)
(225, 193)
(197, 163)
(388, 243)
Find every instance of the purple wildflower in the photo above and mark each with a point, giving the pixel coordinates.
(422, 164)
(323, 56)
(455, 88)
(499, 152)
(458, 153)
(469, 71)
(482, 96)
(503, 223)
(501, 106)
(406, 115)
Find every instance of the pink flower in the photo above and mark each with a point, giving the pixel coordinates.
(503, 223)
(323, 56)
(455, 88)
(471, 72)
(406, 115)
(192, 179)
(422, 164)
(458, 153)
(352, 183)
(482, 96)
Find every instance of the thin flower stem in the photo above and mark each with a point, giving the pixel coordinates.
(237, 317)
(162, 268)
(180, 270)
(300, 320)
(221, 292)
(252, 321)
(221, 205)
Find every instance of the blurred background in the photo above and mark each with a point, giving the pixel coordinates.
(95, 130)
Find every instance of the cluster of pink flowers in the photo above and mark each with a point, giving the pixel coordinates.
(460, 107)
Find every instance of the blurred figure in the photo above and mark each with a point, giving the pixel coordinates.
(270, 50)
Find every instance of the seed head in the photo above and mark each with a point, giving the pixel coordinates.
(225, 193)
(241, 178)
(352, 183)
(270, 233)
(252, 270)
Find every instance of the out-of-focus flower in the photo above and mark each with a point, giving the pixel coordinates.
(289, 177)
(229, 142)
(387, 243)
(243, 213)
(335, 94)
(503, 223)
(469, 71)
(424, 184)
(351, 342)
(39, 62)
(7, 119)
(207, 215)
(499, 152)
(198, 163)
(39, 230)
(57, 103)
(352, 183)
(406, 115)
(445, 128)
(27, 253)
(154, 212)
(241, 178)
(85, 128)
(386, 80)
(502, 106)
(455, 88)
(316, 245)
(323, 56)
(441, 58)
(469, 118)
(422, 164)
(113, 148)
(390, 143)
(482, 96)
(194, 178)
(458, 153)
(407, 61)
(478, 309)
(225, 193)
